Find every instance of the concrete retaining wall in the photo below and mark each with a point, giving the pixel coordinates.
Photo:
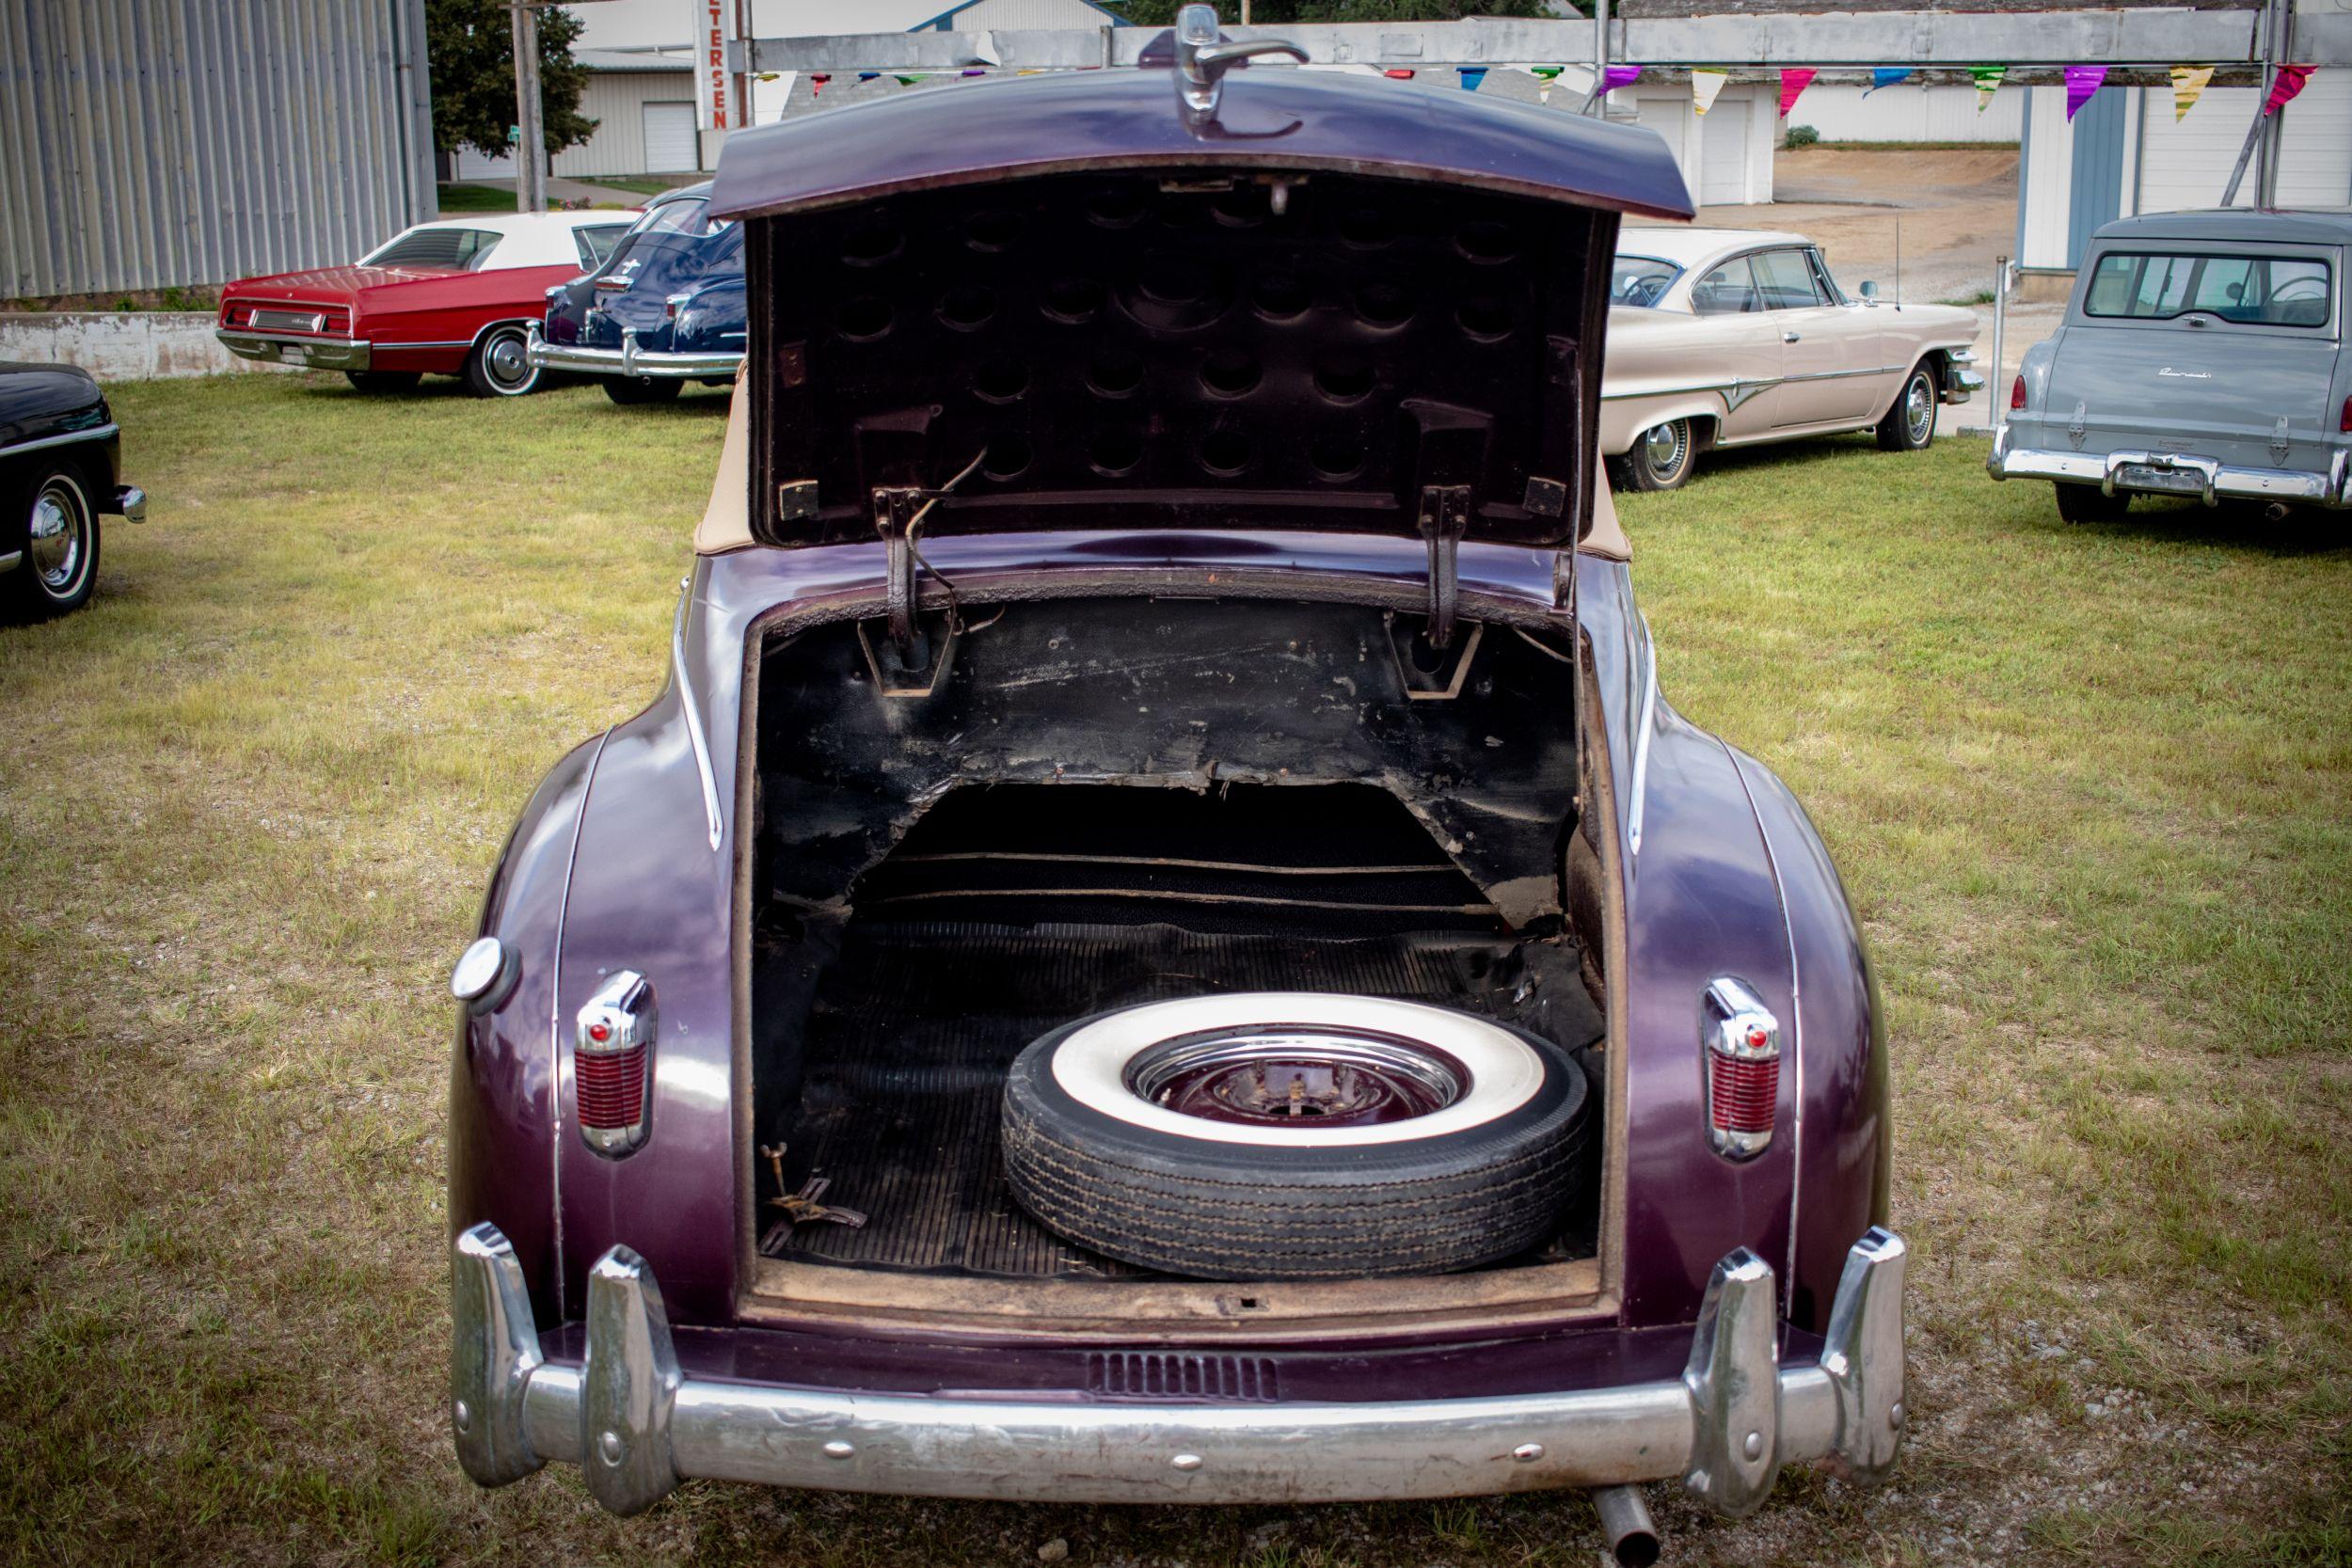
(121, 345)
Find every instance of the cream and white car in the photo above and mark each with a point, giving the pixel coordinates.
(1732, 337)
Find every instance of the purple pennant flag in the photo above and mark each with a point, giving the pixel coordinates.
(1619, 76)
(2081, 82)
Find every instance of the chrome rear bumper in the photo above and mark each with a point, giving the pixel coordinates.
(2209, 479)
(325, 354)
(637, 1427)
(628, 359)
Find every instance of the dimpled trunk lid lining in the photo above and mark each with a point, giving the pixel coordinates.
(917, 1023)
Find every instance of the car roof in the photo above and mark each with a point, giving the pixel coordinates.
(2305, 225)
(527, 222)
(1271, 117)
(1687, 248)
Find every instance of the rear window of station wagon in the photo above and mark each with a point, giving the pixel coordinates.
(2262, 291)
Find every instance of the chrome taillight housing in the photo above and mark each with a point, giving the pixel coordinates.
(1740, 1047)
(613, 1063)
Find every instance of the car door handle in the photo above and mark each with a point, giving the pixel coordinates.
(1788, 336)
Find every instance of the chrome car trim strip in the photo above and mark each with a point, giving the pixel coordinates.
(2216, 478)
(555, 1024)
(693, 718)
(1691, 386)
(1843, 376)
(11, 560)
(96, 433)
(1643, 726)
(638, 1427)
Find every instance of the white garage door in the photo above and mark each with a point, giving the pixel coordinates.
(2186, 164)
(1724, 153)
(671, 144)
(471, 165)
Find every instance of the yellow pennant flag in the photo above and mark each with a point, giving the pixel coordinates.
(1705, 85)
(2187, 82)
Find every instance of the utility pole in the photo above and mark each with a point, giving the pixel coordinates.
(531, 153)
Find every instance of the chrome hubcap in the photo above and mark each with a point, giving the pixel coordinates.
(1665, 446)
(60, 538)
(509, 360)
(1919, 408)
(1298, 1075)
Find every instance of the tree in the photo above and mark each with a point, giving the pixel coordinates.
(1269, 13)
(473, 44)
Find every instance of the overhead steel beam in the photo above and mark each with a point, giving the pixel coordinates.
(2149, 35)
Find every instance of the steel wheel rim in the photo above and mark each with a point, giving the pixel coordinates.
(58, 551)
(1298, 1075)
(507, 358)
(1664, 447)
(1919, 409)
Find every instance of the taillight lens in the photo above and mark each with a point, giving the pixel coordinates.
(613, 1063)
(2017, 393)
(1739, 1041)
(2343, 420)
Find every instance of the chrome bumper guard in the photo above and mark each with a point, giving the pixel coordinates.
(129, 503)
(628, 359)
(637, 1427)
(2210, 481)
(1961, 382)
(276, 348)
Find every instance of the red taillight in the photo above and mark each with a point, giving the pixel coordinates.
(613, 1063)
(1740, 1042)
(2343, 420)
(1742, 1095)
(2017, 393)
(611, 1089)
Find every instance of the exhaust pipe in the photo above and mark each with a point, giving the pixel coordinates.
(2276, 512)
(1625, 1520)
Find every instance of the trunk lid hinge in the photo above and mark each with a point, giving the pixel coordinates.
(1445, 512)
(896, 509)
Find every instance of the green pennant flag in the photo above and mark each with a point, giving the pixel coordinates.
(1988, 79)
(908, 80)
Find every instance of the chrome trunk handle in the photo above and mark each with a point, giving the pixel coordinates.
(1202, 59)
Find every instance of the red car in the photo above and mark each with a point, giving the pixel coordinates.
(456, 298)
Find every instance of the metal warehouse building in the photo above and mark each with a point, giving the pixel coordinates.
(145, 143)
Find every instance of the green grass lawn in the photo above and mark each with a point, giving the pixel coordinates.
(475, 198)
(2091, 788)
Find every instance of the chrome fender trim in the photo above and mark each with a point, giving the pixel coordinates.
(637, 1427)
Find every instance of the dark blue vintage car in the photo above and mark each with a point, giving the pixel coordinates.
(665, 309)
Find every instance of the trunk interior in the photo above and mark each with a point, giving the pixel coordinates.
(1103, 803)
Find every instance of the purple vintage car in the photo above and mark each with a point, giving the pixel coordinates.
(1162, 943)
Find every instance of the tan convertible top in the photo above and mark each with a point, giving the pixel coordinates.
(726, 523)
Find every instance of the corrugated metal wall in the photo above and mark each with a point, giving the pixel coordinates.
(146, 143)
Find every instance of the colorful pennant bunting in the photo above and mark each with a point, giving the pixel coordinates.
(1617, 76)
(1988, 80)
(2188, 81)
(1885, 76)
(908, 80)
(1705, 85)
(1472, 76)
(2082, 81)
(816, 85)
(1793, 80)
(2285, 85)
(1397, 73)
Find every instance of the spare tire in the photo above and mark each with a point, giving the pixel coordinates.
(1294, 1136)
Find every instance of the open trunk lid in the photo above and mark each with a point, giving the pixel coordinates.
(2247, 381)
(1332, 302)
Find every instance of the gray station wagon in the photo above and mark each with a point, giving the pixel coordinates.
(2202, 353)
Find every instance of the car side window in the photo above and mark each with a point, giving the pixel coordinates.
(595, 244)
(1726, 291)
(1786, 281)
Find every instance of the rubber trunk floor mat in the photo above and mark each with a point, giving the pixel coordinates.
(916, 1024)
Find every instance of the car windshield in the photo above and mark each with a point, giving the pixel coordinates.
(2264, 291)
(437, 249)
(1640, 280)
